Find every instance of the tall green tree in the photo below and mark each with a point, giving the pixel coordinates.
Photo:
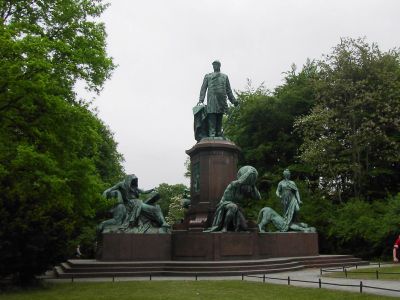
(169, 193)
(352, 135)
(262, 124)
(55, 154)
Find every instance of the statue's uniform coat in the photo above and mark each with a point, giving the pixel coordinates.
(219, 89)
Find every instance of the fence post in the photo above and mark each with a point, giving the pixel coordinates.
(361, 286)
(196, 276)
(113, 278)
(264, 278)
(379, 264)
(150, 277)
(319, 282)
(345, 273)
(320, 271)
(377, 274)
(72, 278)
(356, 266)
(242, 277)
(288, 280)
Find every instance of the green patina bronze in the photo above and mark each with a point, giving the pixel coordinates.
(267, 215)
(186, 200)
(131, 214)
(208, 119)
(289, 194)
(228, 215)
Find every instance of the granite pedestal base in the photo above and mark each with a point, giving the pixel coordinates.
(213, 167)
(206, 246)
(130, 246)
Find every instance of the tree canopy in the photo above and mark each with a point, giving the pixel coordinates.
(56, 156)
(352, 135)
(335, 125)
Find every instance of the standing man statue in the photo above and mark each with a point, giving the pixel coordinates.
(219, 89)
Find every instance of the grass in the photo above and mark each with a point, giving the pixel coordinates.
(358, 273)
(187, 290)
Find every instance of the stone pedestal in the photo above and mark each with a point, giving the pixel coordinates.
(134, 247)
(213, 167)
(205, 246)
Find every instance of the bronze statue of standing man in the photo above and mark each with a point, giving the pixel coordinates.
(218, 89)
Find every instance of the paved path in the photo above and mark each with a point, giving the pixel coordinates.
(312, 275)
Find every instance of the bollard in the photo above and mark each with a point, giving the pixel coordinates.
(319, 283)
(361, 286)
(288, 280)
(345, 273)
(377, 274)
(264, 278)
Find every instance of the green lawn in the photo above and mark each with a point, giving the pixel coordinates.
(142, 290)
(358, 273)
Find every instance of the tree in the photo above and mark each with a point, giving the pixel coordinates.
(351, 137)
(168, 193)
(262, 124)
(56, 156)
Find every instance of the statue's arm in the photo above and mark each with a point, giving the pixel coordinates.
(229, 92)
(228, 193)
(113, 188)
(145, 191)
(297, 194)
(256, 193)
(279, 190)
(298, 197)
(203, 89)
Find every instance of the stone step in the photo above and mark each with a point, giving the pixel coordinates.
(111, 269)
(61, 274)
(92, 263)
(93, 268)
(338, 264)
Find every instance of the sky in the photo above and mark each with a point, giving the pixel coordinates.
(163, 49)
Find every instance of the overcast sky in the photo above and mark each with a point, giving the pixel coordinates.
(164, 48)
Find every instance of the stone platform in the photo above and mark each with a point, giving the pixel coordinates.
(206, 246)
(90, 268)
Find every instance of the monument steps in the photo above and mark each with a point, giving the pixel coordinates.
(213, 268)
(92, 268)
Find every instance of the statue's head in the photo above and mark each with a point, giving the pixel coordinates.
(131, 181)
(248, 175)
(216, 65)
(286, 174)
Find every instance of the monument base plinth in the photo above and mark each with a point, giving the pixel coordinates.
(213, 166)
(206, 246)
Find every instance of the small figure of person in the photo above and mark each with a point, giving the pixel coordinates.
(78, 253)
(228, 215)
(218, 89)
(289, 194)
(131, 213)
(396, 250)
